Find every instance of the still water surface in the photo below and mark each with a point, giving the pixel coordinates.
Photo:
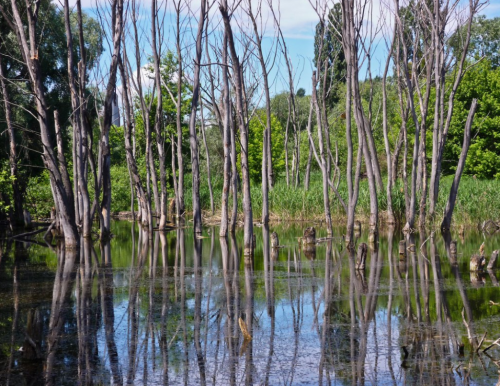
(167, 311)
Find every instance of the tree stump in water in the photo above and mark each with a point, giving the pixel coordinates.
(477, 263)
(402, 250)
(275, 243)
(309, 243)
(31, 345)
(361, 258)
(477, 278)
(493, 260)
(309, 236)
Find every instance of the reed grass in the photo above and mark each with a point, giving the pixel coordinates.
(477, 201)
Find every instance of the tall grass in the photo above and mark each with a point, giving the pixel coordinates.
(477, 200)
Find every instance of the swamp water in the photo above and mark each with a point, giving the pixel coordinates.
(167, 311)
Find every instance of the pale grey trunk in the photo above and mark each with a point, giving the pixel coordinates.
(193, 141)
(161, 211)
(238, 80)
(207, 155)
(450, 205)
(180, 162)
(62, 198)
(227, 141)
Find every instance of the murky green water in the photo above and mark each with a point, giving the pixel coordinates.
(167, 310)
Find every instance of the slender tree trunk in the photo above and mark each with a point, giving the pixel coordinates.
(117, 27)
(62, 198)
(234, 171)
(238, 80)
(161, 211)
(265, 75)
(227, 140)
(180, 162)
(142, 198)
(390, 213)
(322, 161)
(450, 205)
(207, 154)
(193, 141)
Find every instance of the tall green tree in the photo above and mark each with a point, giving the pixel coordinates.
(481, 82)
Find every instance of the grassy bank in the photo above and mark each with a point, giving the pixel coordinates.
(478, 200)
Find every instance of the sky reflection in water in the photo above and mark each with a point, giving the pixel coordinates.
(167, 310)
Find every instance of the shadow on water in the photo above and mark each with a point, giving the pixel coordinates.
(182, 309)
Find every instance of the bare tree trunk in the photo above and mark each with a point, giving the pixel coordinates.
(117, 28)
(440, 22)
(142, 198)
(390, 213)
(309, 157)
(265, 76)
(450, 205)
(349, 37)
(180, 162)
(160, 139)
(207, 154)
(237, 75)
(287, 173)
(227, 140)
(350, 40)
(321, 160)
(18, 199)
(234, 171)
(62, 197)
(82, 199)
(193, 141)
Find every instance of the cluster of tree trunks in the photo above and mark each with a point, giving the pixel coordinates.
(416, 51)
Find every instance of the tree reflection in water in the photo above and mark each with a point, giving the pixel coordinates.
(166, 309)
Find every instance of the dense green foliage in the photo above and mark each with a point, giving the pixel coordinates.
(481, 82)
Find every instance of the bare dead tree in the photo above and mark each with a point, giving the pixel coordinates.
(80, 127)
(450, 205)
(142, 197)
(439, 18)
(238, 81)
(207, 155)
(193, 141)
(160, 138)
(352, 21)
(105, 156)
(265, 77)
(227, 139)
(26, 38)
(180, 163)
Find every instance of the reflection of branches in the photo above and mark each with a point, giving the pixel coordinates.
(63, 282)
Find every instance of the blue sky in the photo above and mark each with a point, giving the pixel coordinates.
(298, 21)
